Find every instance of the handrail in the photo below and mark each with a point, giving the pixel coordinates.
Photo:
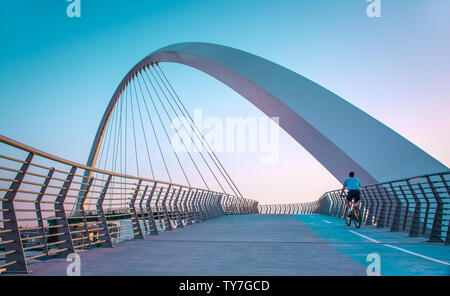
(35, 151)
(35, 215)
(416, 205)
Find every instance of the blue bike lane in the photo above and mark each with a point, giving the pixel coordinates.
(400, 255)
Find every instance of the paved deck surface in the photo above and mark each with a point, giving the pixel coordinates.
(259, 245)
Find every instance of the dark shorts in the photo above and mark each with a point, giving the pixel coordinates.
(353, 195)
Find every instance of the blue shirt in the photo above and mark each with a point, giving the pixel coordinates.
(352, 184)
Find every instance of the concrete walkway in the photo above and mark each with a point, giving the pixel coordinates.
(231, 245)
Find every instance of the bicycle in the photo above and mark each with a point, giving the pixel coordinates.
(355, 214)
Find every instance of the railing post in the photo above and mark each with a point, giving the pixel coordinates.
(389, 209)
(427, 208)
(444, 182)
(241, 206)
(405, 219)
(332, 203)
(228, 204)
(195, 201)
(382, 216)
(38, 209)
(141, 210)
(168, 223)
(223, 204)
(182, 206)
(15, 255)
(151, 216)
(233, 205)
(237, 205)
(170, 206)
(83, 195)
(103, 222)
(212, 202)
(139, 234)
(398, 208)
(216, 205)
(202, 206)
(341, 204)
(207, 205)
(60, 212)
(415, 223)
(376, 216)
(219, 205)
(179, 221)
(364, 204)
(370, 215)
(337, 204)
(187, 210)
(436, 229)
(159, 209)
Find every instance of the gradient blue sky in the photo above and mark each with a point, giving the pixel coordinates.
(57, 74)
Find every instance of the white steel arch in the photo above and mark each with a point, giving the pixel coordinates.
(318, 119)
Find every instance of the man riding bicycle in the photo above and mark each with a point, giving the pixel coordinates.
(353, 185)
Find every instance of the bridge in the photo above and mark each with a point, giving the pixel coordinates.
(122, 223)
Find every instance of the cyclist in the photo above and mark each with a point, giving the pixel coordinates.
(353, 185)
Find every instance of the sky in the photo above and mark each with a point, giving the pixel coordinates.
(57, 74)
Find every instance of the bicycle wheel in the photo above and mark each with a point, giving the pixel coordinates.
(357, 218)
(347, 218)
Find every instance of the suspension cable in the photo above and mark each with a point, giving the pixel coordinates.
(121, 148)
(143, 132)
(102, 149)
(168, 116)
(115, 151)
(199, 133)
(187, 131)
(165, 131)
(154, 132)
(134, 133)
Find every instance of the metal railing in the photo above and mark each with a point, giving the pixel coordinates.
(48, 207)
(290, 209)
(418, 205)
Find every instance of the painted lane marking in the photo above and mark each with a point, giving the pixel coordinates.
(403, 250)
(326, 221)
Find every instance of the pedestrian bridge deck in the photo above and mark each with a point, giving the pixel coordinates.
(262, 245)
